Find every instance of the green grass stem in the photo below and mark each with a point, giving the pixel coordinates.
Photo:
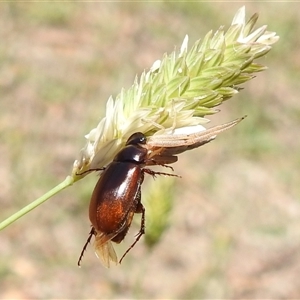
(67, 182)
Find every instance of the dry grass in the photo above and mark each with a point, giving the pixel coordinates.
(235, 228)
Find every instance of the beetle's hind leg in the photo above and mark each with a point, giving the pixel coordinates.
(92, 232)
(139, 209)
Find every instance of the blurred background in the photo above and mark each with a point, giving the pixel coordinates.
(235, 225)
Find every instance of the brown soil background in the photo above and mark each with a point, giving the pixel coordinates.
(235, 225)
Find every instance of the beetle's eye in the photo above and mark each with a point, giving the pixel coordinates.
(136, 138)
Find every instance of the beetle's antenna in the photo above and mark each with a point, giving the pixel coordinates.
(92, 232)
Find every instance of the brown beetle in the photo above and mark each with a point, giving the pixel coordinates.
(117, 194)
(117, 197)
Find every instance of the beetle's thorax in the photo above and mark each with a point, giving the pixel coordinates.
(131, 153)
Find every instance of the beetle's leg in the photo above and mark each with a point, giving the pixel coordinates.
(92, 232)
(153, 173)
(161, 164)
(91, 170)
(140, 208)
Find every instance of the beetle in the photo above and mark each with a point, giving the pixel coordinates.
(117, 194)
(117, 197)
